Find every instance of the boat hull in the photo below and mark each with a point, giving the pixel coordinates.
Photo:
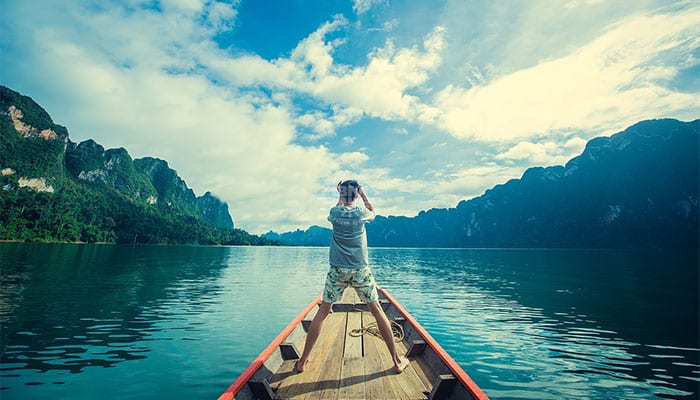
(346, 363)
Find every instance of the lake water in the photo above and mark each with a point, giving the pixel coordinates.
(178, 322)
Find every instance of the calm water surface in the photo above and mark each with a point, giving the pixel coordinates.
(123, 322)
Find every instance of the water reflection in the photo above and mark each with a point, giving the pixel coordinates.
(80, 320)
(557, 324)
(69, 307)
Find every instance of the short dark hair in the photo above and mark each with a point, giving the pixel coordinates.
(350, 182)
(351, 188)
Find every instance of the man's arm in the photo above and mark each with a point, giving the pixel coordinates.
(368, 205)
(340, 195)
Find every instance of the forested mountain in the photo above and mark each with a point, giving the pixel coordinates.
(52, 189)
(637, 188)
(314, 236)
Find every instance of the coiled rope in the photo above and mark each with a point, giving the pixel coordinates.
(373, 329)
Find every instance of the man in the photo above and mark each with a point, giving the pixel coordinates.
(349, 266)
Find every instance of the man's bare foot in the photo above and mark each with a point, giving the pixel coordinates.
(300, 367)
(401, 365)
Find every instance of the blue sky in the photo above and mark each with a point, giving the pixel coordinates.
(268, 104)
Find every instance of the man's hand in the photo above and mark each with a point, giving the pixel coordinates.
(368, 205)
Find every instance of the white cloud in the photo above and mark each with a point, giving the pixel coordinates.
(378, 89)
(324, 124)
(183, 5)
(135, 70)
(441, 189)
(614, 80)
(387, 26)
(352, 160)
(544, 154)
(471, 182)
(362, 6)
(128, 82)
(314, 53)
(317, 122)
(438, 189)
(221, 16)
(390, 195)
(582, 3)
(155, 82)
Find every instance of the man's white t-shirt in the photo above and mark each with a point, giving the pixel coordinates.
(349, 240)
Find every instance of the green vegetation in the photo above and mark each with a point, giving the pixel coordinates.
(80, 213)
(33, 156)
(113, 205)
(33, 114)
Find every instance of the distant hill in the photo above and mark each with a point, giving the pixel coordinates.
(637, 188)
(314, 236)
(52, 189)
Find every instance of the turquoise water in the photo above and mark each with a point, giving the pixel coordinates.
(123, 322)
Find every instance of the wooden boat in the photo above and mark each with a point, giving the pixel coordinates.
(347, 364)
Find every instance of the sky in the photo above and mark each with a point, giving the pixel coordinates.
(268, 104)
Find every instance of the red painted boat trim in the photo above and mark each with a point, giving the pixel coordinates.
(458, 372)
(248, 373)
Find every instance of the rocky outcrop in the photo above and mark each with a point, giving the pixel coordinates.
(37, 154)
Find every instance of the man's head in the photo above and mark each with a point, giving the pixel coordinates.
(349, 190)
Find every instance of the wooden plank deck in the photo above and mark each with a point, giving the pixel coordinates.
(342, 366)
